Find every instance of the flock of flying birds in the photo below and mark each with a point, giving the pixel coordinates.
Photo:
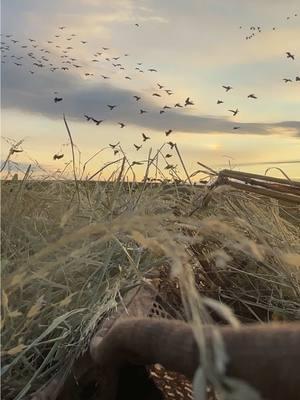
(55, 57)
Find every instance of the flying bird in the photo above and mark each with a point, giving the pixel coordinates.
(137, 25)
(166, 107)
(168, 155)
(234, 112)
(252, 96)
(121, 124)
(227, 88)
(87, 117)
(286, 80)
(58, 156)
(142, 111)
(97, 122)
(168, 132)
(290, 55)
(137, 147)
(188, 102)
(111, 107)
(220, 102)
(137, 98)
(236, 127)
(116, 152)
(152, 70)
(156, 94)
(161, 111)
(160, 86)
(105, 77)
(178, 105)
(169, 92)
(145, 137)
(113, 146)
(57, 99)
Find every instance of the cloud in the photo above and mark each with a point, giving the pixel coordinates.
(35, 93)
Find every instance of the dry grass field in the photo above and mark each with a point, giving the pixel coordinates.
(71, 252)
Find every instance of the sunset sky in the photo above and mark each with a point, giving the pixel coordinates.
(196, 46)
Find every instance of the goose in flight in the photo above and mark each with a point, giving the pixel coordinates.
(166, 107)
(152, 70)
(169, 92)
(178, 105)
(137, 147)
(57, 99)
(156, 94)
(168, 155)
(168, 132)
(88, 118)
(137, 98)
(286, 80)
(236, 127)
(105, 77)
(171, 144)
(160, 86)
(121, 124)
(227, 88)
(234, 112)
(188, 102)
(113, 146)
(111, 107)
(220, 102)
(161, 111)
(58, 156)
(97, 122)
(145, 137)
(290, 55)
(252, 96)
(142, 111)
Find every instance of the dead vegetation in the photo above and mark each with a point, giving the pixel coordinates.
(72, 250)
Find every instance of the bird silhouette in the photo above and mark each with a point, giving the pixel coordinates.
(234, 112)
(136, 163)
(137, 25)
(137, 147)
(105, 48)
(188, 102)
(227, 88)
(169, 92)
(58, 156)
(137, 98)
(111, 107)
(178, 105)
(57, 99)
(168, 155)
(236, 127)
(152, 70)
(160, 86)
(166, 107)
(128, 77)
(220, 102)
(113, 146)
(116, 152)
(168, 132)
(121, 124)
(297, 78)
(290, 55)
(145, 137)
(105, 77)
(286, 80)
(143, 111)
(252, 96)
(97, 122)
(161, 111)
(156, 94)
(87, 117)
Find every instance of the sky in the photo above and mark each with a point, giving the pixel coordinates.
(195, 46)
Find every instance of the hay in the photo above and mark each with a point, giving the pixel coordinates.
(70, 254)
